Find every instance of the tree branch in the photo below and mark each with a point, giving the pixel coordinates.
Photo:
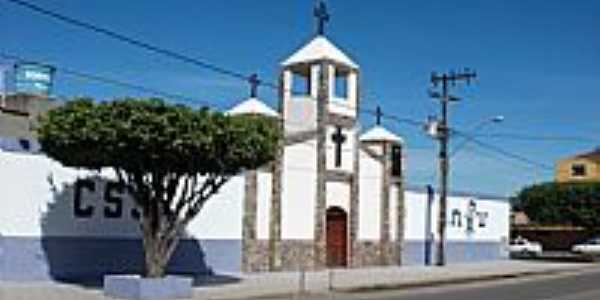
(211, 186)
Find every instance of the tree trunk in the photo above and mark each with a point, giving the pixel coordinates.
(158, 249)
(154, 262)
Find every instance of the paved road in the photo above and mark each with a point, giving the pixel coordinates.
(582, 286)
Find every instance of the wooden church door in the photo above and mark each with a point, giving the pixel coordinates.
(337, 237)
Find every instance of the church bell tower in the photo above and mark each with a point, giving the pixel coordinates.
(320, 160)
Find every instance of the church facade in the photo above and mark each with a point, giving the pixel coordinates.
(335, 197)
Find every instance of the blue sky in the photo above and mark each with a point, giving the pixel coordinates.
(538, 63)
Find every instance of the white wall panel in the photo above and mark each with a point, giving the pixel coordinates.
(263, 209)
(338, 194)
(369, 202)
(38, 199)
(299, 188)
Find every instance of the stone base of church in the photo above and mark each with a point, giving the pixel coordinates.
(374, 253)
(296, 255)
(255, 256)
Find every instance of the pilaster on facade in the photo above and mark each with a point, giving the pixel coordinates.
(384, 228)
(354, 201)
(320, 234)
(249, 220)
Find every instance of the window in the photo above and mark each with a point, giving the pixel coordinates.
(19, 145)
(483, 216)
(456, 218)
(341, 84)
(578, 170)
(300, 84)
(25, 144)
(397, 161)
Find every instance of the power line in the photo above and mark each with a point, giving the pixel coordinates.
(536, 138)
(502, 151)
(129, 40)
(170, 53)
(199, 63)
(173, 96)
(111, 81)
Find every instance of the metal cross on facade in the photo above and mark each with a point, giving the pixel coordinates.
(338, 138)
(322, 16)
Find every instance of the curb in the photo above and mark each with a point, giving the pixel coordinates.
(455, 281)
(413, 285)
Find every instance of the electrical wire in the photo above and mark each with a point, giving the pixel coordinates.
(111, 81)
(127, 39)
(217, 69)
(503, 152)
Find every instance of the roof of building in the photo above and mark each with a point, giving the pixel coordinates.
(592, 155)
(252, 106)
(317, 49)
(380, 134)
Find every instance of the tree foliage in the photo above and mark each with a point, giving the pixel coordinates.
(171, 158)
(552, 203)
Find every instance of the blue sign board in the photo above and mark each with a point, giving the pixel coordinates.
(33, 78)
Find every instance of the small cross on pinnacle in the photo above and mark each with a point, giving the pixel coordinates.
(322, 16)
(254, 83)
(378, 115)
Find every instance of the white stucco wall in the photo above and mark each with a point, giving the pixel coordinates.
(38, 198)
(496, 225)
(263, 205)
(393, 212)
(414, 208)
(338, 194)
(298, 191)
(369, 202)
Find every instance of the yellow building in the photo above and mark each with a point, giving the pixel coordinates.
(583, 167)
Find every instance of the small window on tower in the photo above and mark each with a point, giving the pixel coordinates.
(341, 84)
(578, 170)
(397, 161)
(301, 84)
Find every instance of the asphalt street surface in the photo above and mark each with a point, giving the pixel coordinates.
(576, 286)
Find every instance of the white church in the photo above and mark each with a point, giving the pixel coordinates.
(335, 197)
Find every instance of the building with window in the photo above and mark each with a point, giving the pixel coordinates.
(335, 197)
(19, 117)
(579, 168)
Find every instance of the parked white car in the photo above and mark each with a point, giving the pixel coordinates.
(523, 247)
(589, 248)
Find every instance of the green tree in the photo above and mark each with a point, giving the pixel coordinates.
(552, 203)
(171, 158)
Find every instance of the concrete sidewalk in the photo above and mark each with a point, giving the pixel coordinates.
(292, 283)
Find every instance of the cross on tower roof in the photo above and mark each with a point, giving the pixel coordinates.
(378, 115)
(322, 16)
(254, 82)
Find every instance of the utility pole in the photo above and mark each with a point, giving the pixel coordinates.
(442, 133)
